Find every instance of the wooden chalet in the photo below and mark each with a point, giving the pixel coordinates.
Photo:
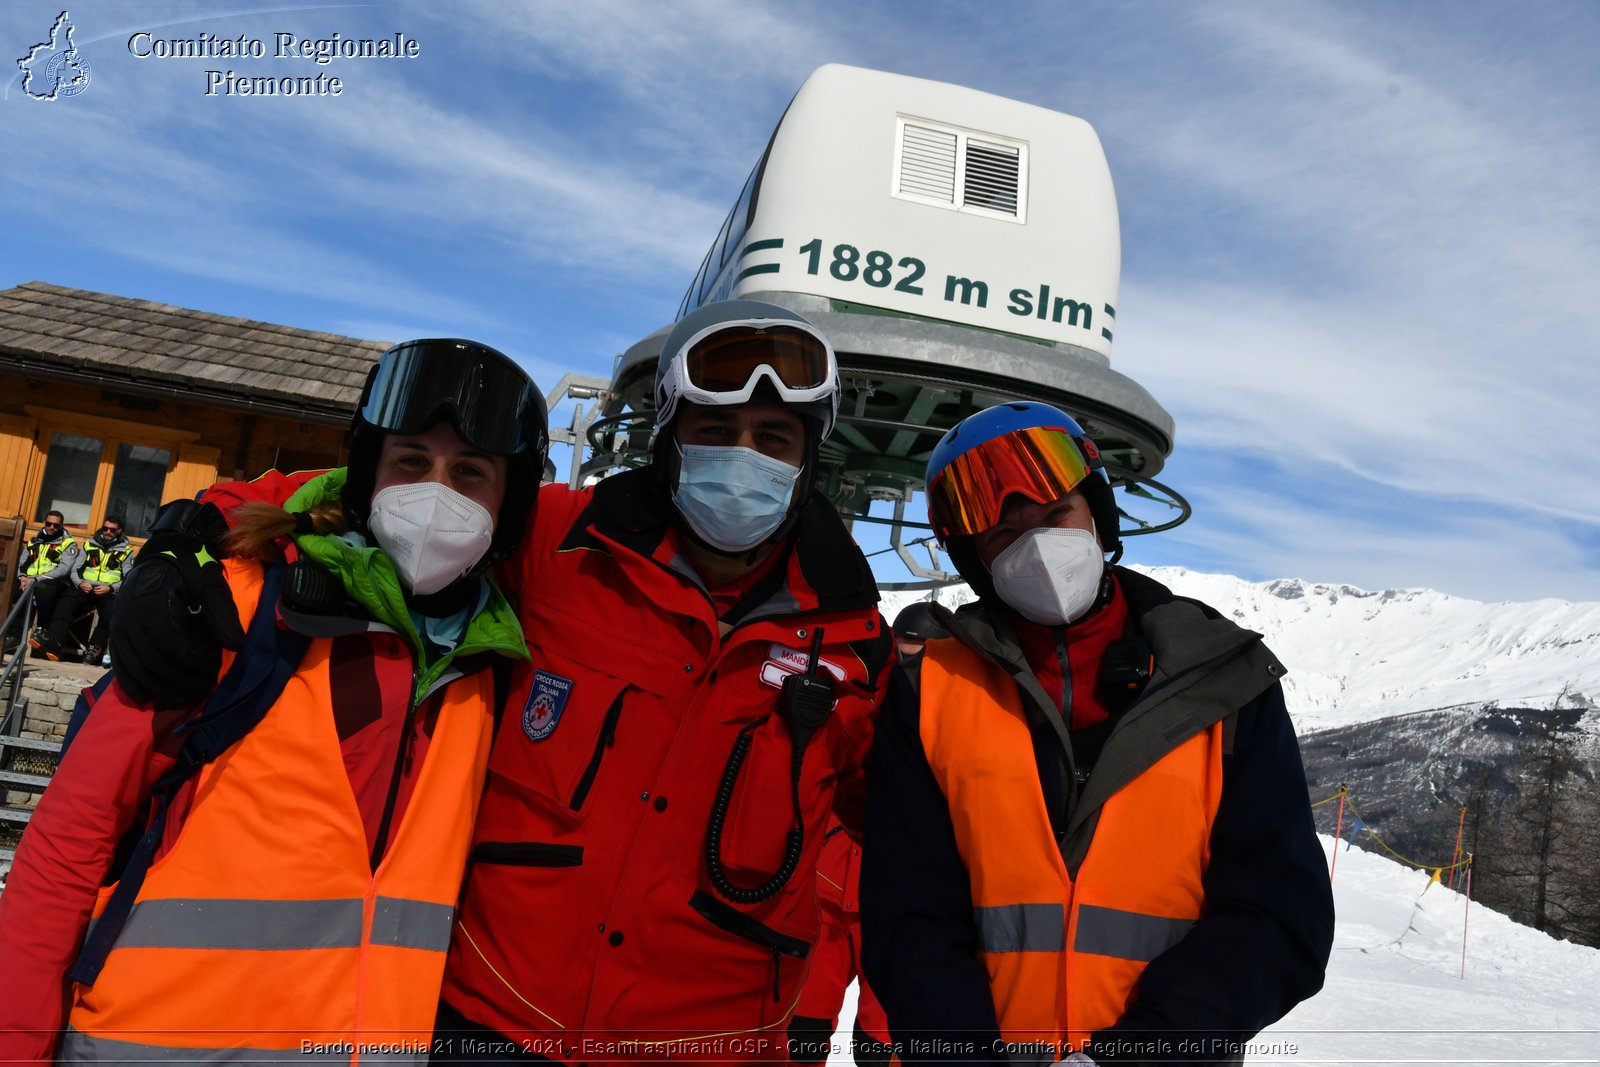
(112, 406)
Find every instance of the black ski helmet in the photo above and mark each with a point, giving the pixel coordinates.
(492, 403)
(916, 623)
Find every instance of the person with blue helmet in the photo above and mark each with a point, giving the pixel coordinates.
(1089, 836)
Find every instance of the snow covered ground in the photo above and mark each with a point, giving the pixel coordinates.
(1395, 991)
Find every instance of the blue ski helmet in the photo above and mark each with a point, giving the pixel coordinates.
(1018, 447)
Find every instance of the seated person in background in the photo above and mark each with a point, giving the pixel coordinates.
(92, 585)
(47, 561)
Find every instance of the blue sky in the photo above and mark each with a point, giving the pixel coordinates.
(1361, 241)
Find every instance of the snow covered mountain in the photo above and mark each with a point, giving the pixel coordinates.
(1355, 655)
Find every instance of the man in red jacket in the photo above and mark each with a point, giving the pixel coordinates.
(707, 657)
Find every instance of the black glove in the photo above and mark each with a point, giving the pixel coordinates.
(175, 613)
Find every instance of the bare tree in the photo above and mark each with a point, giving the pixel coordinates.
(1537, 853)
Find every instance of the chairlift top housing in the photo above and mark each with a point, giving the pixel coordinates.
(959, 249)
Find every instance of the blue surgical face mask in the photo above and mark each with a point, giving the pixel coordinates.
(733, 498)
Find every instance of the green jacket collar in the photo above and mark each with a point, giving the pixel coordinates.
(369, 578)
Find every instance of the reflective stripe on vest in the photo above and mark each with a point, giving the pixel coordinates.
(267, 888)
(81, 1048)
(285, 924)
(413, 924)
(1022, 928)
(1127, 935)
(1137, 893)
(101, 566)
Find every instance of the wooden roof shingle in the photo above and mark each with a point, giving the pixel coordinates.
(147, 346)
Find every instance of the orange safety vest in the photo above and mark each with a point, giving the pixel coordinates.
(1063, 953)
(263, 934)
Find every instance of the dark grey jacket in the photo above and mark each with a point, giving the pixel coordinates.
(1261, 945)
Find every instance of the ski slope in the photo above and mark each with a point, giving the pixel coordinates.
(1395, 992)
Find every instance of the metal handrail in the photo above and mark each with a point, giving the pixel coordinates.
(13, 667)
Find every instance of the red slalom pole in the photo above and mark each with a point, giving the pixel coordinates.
(1465, 914)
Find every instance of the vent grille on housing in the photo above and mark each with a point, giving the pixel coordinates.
(949, 167)
(928, 163)
(991, 176)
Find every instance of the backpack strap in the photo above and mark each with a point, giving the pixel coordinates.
(263, 667)
(87, 699)
(501, 673)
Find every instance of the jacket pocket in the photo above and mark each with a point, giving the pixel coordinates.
(761, 811)
(526, 854)
(607, 739)
(566, 711)
(731, 920)
(774, 943)
(561, 719)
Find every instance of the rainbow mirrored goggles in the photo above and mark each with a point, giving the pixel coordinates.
(1043, 463)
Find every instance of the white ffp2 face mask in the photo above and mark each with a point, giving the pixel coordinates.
(431, 533)
(1050, 576)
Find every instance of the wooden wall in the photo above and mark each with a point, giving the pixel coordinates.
(206, 443)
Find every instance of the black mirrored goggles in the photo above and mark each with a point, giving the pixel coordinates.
(494, 404)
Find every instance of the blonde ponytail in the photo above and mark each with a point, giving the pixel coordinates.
(260, 528)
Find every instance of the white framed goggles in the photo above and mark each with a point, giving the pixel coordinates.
(723, 365)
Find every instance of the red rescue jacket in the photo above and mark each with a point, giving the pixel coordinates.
(836, 961)
(590, 929)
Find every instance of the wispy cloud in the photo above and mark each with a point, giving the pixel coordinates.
(1404, 232)
(672, 76)
(539, 194)
(1360, 240)
(1260, 521)
(1285, 376)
